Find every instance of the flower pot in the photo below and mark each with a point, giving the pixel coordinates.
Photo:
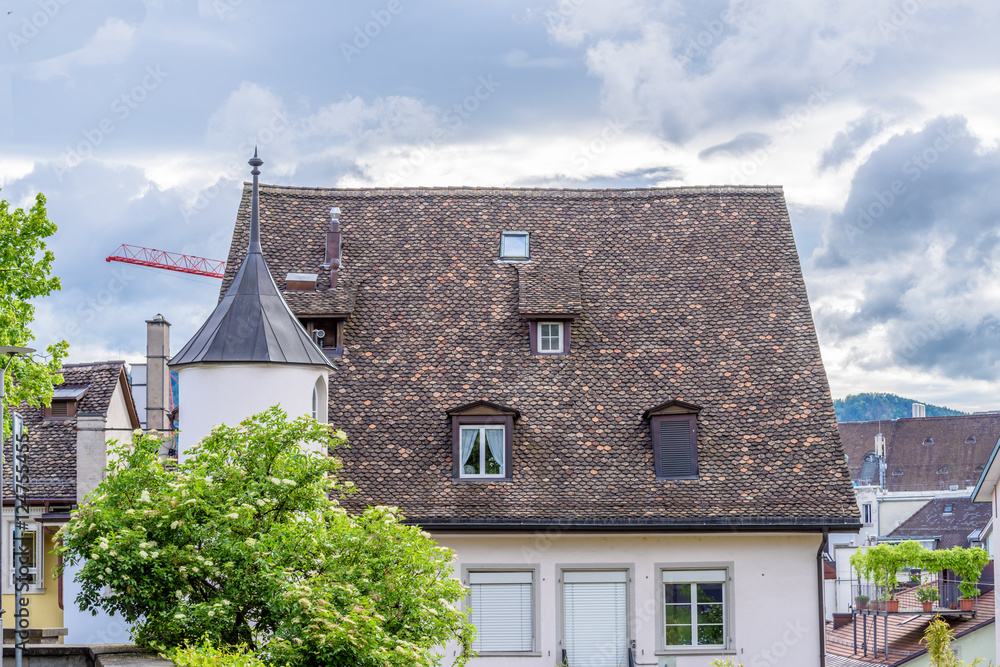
(862, 604)
(928, 605)
(892, 606)
(966, 604)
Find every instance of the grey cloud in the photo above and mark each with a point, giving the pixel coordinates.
(918, 235)
(847, 142)
(741, 144)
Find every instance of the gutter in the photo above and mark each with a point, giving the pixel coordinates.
(713, 525)
(820, 587)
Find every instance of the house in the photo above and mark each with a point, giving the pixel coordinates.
(68, 454)
(944, 523)
(895, 639)
(609, 403)
(986, 491)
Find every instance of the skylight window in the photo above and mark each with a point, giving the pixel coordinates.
(514, 245)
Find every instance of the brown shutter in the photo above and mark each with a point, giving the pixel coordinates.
(675, 446)
(60, 408)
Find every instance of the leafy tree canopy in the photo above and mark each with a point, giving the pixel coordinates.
(871, 406)
(240, 544)
(26, 273)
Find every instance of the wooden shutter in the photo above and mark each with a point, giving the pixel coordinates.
(675, 444)
(501, 610)
(595, 612)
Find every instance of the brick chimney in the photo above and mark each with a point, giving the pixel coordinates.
(157, 375)
(334, 247)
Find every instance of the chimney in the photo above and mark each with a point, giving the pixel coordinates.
(334, 247)
(157, 375)
(919, 410)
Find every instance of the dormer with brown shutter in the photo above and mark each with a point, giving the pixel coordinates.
(674, 430)
(65, 401)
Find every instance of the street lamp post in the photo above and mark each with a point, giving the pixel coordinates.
(8, 352)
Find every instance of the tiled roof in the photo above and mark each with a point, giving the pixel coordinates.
(687, 293)
(932, 453)
(547, 290)
(905, 633)
(52, 442)
(953, 529)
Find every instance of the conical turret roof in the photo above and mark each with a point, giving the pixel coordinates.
(252, 323)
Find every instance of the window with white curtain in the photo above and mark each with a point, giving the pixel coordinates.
(501, 605)
(482, 450)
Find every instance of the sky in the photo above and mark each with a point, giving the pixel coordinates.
(879, 119)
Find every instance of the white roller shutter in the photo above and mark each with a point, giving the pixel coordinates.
(595, 617)
(501, 610)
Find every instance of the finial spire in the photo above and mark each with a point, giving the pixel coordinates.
(255, 162)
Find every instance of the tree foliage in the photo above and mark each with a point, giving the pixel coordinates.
(879, 564)
(872, 406)
(25, 274)
(241, 544)
(938, 638)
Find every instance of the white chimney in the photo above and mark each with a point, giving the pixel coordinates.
(919, 410)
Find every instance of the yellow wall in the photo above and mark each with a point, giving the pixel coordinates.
(43, 607)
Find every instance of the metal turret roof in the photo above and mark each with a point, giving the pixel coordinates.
(252, 323)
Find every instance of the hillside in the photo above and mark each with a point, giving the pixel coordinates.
(870, 406)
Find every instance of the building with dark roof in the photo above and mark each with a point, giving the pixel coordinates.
(945, 523)
(67, 456)
(597, 398)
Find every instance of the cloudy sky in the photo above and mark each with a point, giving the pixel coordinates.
(880, 120)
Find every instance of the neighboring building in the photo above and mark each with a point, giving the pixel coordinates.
(68, 454)
(846, 645)
(610, 403)
(944, 523)
(987, 491)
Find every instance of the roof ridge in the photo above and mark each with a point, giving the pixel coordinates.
(527, 192)
(83, 364)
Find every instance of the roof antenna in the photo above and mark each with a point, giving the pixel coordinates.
(255, 162)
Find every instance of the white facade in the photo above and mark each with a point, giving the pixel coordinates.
(770, 609)
(229, 393)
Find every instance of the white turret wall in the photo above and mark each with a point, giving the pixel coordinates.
(229, 393)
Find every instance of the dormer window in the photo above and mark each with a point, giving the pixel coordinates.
(328, 332)
(482, 441)
(549, 336)
(64, 402)
(514, 245)
(674, 433)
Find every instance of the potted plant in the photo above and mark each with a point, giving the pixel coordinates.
(968, 564)
(927, 597)
(862, 602)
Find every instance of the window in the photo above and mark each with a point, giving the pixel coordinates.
(949, 509)
(674, 432)
(482, 438)
(550, 337)
(866, 514)
(928, 441)
(482, 450)
(514, 245)
(31, 539)
(328, 332)
(695, 608)
(501, 605)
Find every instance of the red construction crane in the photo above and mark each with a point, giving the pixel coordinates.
(171, 261)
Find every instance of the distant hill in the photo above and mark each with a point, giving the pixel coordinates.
(871, 406)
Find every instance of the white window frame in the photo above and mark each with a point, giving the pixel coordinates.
(866, 514)
(8, 557)
(561, 345)
(482, 428)
(690, 571)
(503, 568)
(503, 246)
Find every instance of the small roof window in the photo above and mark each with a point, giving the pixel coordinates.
(971, 440)
(514, 245)
(928, 441)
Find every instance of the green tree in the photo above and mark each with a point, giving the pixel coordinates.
(25, 274)
(240, 544)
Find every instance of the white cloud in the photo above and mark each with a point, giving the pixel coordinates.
(110, 44)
